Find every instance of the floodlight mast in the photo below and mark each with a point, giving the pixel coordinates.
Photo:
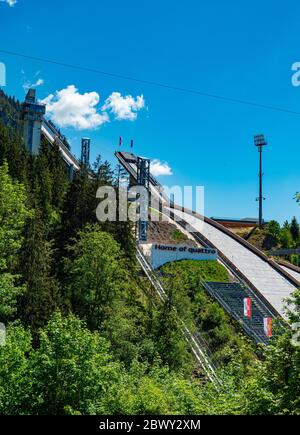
(260, 142)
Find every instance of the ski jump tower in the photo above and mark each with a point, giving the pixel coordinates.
(32, 115)
(143, 179)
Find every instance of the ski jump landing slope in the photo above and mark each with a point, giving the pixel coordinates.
(271, 282)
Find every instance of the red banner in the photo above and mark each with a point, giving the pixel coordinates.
(268, 326)
(248, 308)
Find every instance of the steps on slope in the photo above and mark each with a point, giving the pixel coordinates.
(231, 296)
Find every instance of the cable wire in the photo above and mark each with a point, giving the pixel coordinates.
(154, 83)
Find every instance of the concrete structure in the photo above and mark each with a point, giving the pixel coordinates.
(159, 254)
(35, 125)
(85, 152)
(53, 137)
(270, 282)
(32, 115)
(237, 223)
(273, 286)
(143, 179)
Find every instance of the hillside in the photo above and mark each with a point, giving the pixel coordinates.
(273, 237)
(85, 333)
(223, 335)
(9, 110)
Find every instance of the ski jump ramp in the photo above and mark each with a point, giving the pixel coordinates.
(272, 283)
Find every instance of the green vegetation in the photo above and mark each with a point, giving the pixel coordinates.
(13, 215)
(74, 372)
(86, 334)
(178, 236)
(273, 237)
(203, 314)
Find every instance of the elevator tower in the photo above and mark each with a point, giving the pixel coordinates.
(32, 116)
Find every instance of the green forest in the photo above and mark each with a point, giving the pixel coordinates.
(85, 334)
(275, 237)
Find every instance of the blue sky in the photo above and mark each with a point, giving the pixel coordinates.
(237, 49)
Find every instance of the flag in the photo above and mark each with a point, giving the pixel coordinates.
(248, 308)
(120, 141)
(268, 326)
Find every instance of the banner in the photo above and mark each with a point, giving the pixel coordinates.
(268, 326)
(248, 308)
(162, 254)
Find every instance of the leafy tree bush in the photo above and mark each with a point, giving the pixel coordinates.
(201, 311)
(13, 216)
(274, 387)
(73, 372)
(295, 230)
(274, 229)
(97, 274)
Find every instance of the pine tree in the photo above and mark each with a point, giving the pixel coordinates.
(286, 238)
(49, 183)
(42, 296)
(169, 340)
(286, 225)
(79, 207)
(274, 230)
(295, 229)
(13, 216)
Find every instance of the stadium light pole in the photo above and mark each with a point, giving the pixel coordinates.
(260, 143)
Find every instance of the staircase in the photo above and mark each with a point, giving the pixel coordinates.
(231, 296)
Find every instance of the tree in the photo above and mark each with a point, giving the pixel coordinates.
(275, 388)
(13, 216)
(96, 275)
(169, 339)
(274, 230)
(72, 369)
(128, 329)
(13, 151)
(15, 376)
(79, 208)
(286, 238)
(104, 173)
(48, 183)
(295, 229)
(286, 225)
(42, 296)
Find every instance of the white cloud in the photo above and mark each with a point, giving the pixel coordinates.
(124, 108)
(69, 108)
(39, 82)
(27, 85)
(10, 2)
(159, 168)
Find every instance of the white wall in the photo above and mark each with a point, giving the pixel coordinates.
(161, 254)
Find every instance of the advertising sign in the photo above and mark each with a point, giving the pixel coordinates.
(162, 254)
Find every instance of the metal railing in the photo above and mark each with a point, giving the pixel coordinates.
(197, 345)
(234, 314)
(55, 135)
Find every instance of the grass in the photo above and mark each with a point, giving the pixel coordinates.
(206, 270)
(195, 305)
(178, 236)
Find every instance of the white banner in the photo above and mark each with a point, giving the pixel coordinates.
(162, 254)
